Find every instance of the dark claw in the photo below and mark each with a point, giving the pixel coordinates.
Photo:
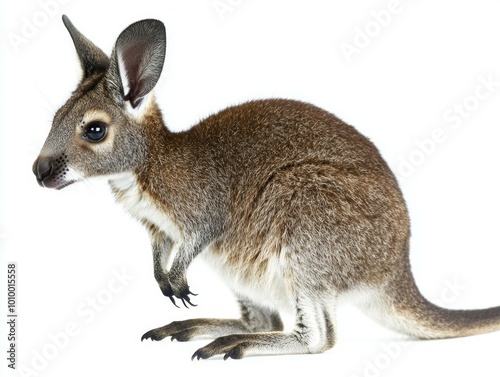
(188, 300)
(148, 335)
(198, 355)
(173, 300)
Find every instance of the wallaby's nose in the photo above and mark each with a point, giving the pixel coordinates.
(42, 168)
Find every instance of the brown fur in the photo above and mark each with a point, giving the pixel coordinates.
(292, 206)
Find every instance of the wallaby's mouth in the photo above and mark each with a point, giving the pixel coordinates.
(49, 184)
(52, 173)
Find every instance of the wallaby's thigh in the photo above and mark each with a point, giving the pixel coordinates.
(333, 229)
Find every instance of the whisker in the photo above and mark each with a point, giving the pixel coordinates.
(51, 108)
(90, 184)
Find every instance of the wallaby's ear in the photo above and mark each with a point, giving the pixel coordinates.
(92, 58)
(137, 60)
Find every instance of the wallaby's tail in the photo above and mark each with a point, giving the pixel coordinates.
(403, 308)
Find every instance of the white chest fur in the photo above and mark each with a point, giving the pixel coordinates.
(141, 206)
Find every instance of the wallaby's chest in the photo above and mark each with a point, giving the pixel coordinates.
(141, 206)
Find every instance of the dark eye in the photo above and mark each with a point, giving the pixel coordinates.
(95, 131)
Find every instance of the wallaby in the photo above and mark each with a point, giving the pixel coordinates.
(290, 205)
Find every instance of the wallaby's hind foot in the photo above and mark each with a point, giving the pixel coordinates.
(313, 333)
(253, 319)
(238, 345)
(184, 331)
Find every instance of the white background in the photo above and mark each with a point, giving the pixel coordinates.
(427, 57)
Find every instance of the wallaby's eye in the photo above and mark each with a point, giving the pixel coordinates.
(95, 131)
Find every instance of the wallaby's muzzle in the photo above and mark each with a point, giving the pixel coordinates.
(52, 172)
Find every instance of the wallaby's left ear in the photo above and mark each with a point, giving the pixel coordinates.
(92, 58)
(137, 60)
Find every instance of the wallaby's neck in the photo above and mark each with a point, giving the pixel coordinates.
(166, 162)
(157, 138)
(163, 186)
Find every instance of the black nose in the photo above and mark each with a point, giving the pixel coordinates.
(43, 168)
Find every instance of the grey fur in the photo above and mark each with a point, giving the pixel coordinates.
(291, 205)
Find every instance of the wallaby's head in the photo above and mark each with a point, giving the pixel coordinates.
(100, 129)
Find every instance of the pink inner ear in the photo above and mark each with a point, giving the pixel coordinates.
(132, 58)
(139, 54)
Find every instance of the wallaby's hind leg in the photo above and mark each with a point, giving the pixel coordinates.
(313, 333)
(253, 319)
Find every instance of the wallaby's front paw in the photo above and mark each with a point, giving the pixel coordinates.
(165, 286)
(180, 291)
(186, 298)
(183, 295)
(166, 289)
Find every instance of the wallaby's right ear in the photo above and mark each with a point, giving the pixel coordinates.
(92, 58)
(137, 60)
